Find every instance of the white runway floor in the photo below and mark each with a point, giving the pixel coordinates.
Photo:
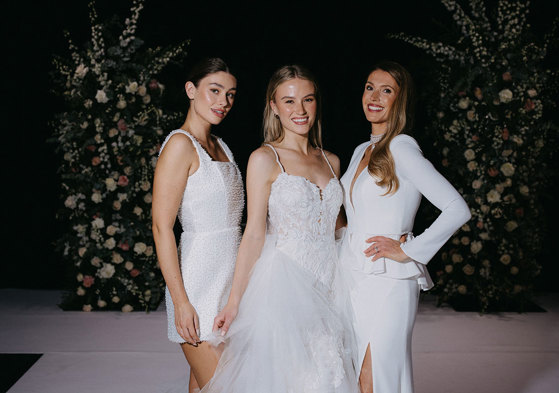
(113, 352)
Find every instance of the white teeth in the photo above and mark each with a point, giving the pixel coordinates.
(375, 108)
(300, 121)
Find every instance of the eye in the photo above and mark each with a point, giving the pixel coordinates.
(387, 91)
(369, 87)
(309, 99)
(231, 95)
(215, 91)
(289, 101)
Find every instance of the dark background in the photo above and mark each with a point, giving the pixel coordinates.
(338, 43)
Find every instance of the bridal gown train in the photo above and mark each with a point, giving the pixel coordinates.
(290, 335)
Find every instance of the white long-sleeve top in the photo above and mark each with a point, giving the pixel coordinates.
(370, 213)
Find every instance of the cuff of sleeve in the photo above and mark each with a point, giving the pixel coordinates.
(407, 248)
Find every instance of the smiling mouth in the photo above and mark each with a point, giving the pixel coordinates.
(374, 108)
(219, 112)
(300, 121)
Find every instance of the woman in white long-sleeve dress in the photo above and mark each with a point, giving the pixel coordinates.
(383, 185)
(196, 177)
(283, 324)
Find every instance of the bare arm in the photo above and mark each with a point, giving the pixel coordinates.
(261, 171)
(341, 221)
(177, 160)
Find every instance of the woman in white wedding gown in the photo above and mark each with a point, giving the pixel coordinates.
(283, 324)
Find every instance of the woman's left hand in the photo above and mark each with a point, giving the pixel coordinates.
(384, 247)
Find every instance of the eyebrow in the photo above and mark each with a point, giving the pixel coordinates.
(371, 83)
(219, 85)
(308, 95)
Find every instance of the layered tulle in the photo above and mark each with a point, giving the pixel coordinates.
(290, 335)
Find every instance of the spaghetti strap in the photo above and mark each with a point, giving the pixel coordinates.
(328, 162)
(277, 156)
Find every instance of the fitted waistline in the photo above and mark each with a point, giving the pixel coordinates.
(230, 229)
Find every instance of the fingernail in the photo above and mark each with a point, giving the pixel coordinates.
(223, 333)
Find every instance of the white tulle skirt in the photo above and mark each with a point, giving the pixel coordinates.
(291, 334)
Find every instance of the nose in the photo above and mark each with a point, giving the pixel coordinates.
(301, 108)
(223, 100)
(375, 95)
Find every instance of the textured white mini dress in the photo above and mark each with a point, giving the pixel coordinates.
(210, 214)
(291, 334)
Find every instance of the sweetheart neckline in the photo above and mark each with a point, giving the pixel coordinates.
(308, 181)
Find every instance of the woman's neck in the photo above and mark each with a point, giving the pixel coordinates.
(196, 126)
(297, 142)
(378, 129)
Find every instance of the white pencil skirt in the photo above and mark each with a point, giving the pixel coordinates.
(385, 310)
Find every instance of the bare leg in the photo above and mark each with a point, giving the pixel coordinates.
(366, 376)
(192, 384)
(202, 360)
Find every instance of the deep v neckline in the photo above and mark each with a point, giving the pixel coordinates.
(356, 176)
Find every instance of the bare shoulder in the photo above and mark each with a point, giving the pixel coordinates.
(263, 162)
(334, 159)
(179, 144)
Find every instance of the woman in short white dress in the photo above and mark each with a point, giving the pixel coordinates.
(196, 177)
(383, 186)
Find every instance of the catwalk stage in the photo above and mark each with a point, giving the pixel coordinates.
(114, 352)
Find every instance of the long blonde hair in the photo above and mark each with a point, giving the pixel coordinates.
(400, 119)
(273, 130)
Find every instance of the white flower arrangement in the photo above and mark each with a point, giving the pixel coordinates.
(108, 138)
(492, 126)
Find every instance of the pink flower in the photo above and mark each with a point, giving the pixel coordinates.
(529, 105)
(124, 246)
(90, 147)
(122, 181)
(121, 125)
(479, 224)
(461, 93)
(95, 161)
(445, 162)
(478, 93)
(507, 76)
(153, 84)
(475, 138)
(134, 272)
(505, 133)
(88, 281)
(493, 172)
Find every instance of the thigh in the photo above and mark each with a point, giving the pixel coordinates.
(396, 316)
(366, 375)
(202, 360)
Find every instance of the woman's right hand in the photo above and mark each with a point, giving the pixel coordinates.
(187, 323)
(225, 318)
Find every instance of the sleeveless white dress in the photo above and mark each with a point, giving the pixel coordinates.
(210, 213)
(290, 335)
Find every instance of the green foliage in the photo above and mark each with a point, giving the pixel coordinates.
(492, 124)
(108, 138)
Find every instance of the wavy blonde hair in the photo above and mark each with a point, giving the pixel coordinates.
(400, 119)
(273, 130)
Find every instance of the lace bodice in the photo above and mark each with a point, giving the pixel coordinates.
(303, 217)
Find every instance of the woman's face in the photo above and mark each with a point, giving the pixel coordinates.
(213, 97)
(295, 104)
(380, 93)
